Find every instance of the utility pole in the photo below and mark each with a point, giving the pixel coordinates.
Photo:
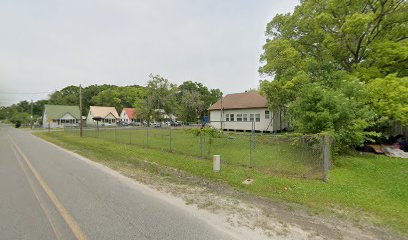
(31, 115)
(80, 110)
(222, 115)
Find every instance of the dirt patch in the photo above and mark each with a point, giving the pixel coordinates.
(268, 218)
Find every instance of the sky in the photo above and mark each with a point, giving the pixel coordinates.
(46, 45)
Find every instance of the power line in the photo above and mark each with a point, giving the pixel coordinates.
(24, 92)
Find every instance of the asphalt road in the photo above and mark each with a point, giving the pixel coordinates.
(49, 193)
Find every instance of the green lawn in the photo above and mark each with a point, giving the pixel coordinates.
(287, 156)
(372, 186)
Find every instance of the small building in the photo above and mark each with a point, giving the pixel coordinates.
(245, 112)
(59, 116)
(107, 116)
(129, 116)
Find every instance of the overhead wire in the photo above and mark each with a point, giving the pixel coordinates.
(24, 92)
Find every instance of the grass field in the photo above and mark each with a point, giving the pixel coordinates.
(287, 156)
(361, 187)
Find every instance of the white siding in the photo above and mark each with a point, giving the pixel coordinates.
(124, 117)
(89, 118)
(109, 120)
(271, 124)
(57, 123)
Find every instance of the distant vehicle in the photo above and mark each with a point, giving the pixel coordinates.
(173, 124)
(155, 124)
(135, 124)
(124, 124)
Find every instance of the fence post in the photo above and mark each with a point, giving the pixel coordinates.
(147, 136)
(201, 145)
(326, 158)
(251, 144)
(130, 136)
(115, 135)
(171, 139)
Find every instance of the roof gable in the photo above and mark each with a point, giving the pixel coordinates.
(241, 101)
(58, 111)
(102, 112)
(130, 112)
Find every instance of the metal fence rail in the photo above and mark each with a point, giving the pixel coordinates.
(295, 156)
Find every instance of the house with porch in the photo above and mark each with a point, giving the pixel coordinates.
(245, 111)
(60, 116)
(106, 116)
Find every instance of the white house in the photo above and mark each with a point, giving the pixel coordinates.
(59, 116)
(128, 115)
(108, 116)
(245, 112)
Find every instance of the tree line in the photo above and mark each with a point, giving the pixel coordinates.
(188, 101)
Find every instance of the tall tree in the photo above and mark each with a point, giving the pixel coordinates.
(66, 96)
(158, 94)
(194, 98)
(162, 93)
(333, 49)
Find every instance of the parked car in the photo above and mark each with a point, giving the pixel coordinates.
(155, 124)
(174, 124)
(124, 124)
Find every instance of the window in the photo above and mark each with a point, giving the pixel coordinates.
(245, 117)
(227, 117)
(267, 114)
(239, 117)
(232, 117)
(251, 117)
(258, 117)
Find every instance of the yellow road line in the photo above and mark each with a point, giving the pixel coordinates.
(72, 224)
(43, 206)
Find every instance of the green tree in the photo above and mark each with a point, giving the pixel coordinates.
(194, 98)
(162, 94)
(91, 91)
(333, 49)
(389, 97)
(66, 96)
(108, 98)
(21, 117)
(191, 105)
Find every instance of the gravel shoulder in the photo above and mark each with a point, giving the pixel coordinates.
(242, 214)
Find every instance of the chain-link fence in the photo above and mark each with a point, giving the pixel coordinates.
(278, 154)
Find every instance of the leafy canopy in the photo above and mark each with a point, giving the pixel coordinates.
(323, 58)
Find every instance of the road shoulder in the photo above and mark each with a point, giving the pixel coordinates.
(241, 214)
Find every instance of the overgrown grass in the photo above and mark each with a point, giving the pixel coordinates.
(369, 186)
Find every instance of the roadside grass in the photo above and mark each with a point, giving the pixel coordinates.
(288, 156)
(362, 187)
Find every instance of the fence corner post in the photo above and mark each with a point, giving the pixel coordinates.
(326, 158)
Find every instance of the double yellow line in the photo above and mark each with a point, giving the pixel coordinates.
(69, 220)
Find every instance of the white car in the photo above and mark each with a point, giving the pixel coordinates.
(155, 124)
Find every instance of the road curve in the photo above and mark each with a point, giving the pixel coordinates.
(49, 193)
